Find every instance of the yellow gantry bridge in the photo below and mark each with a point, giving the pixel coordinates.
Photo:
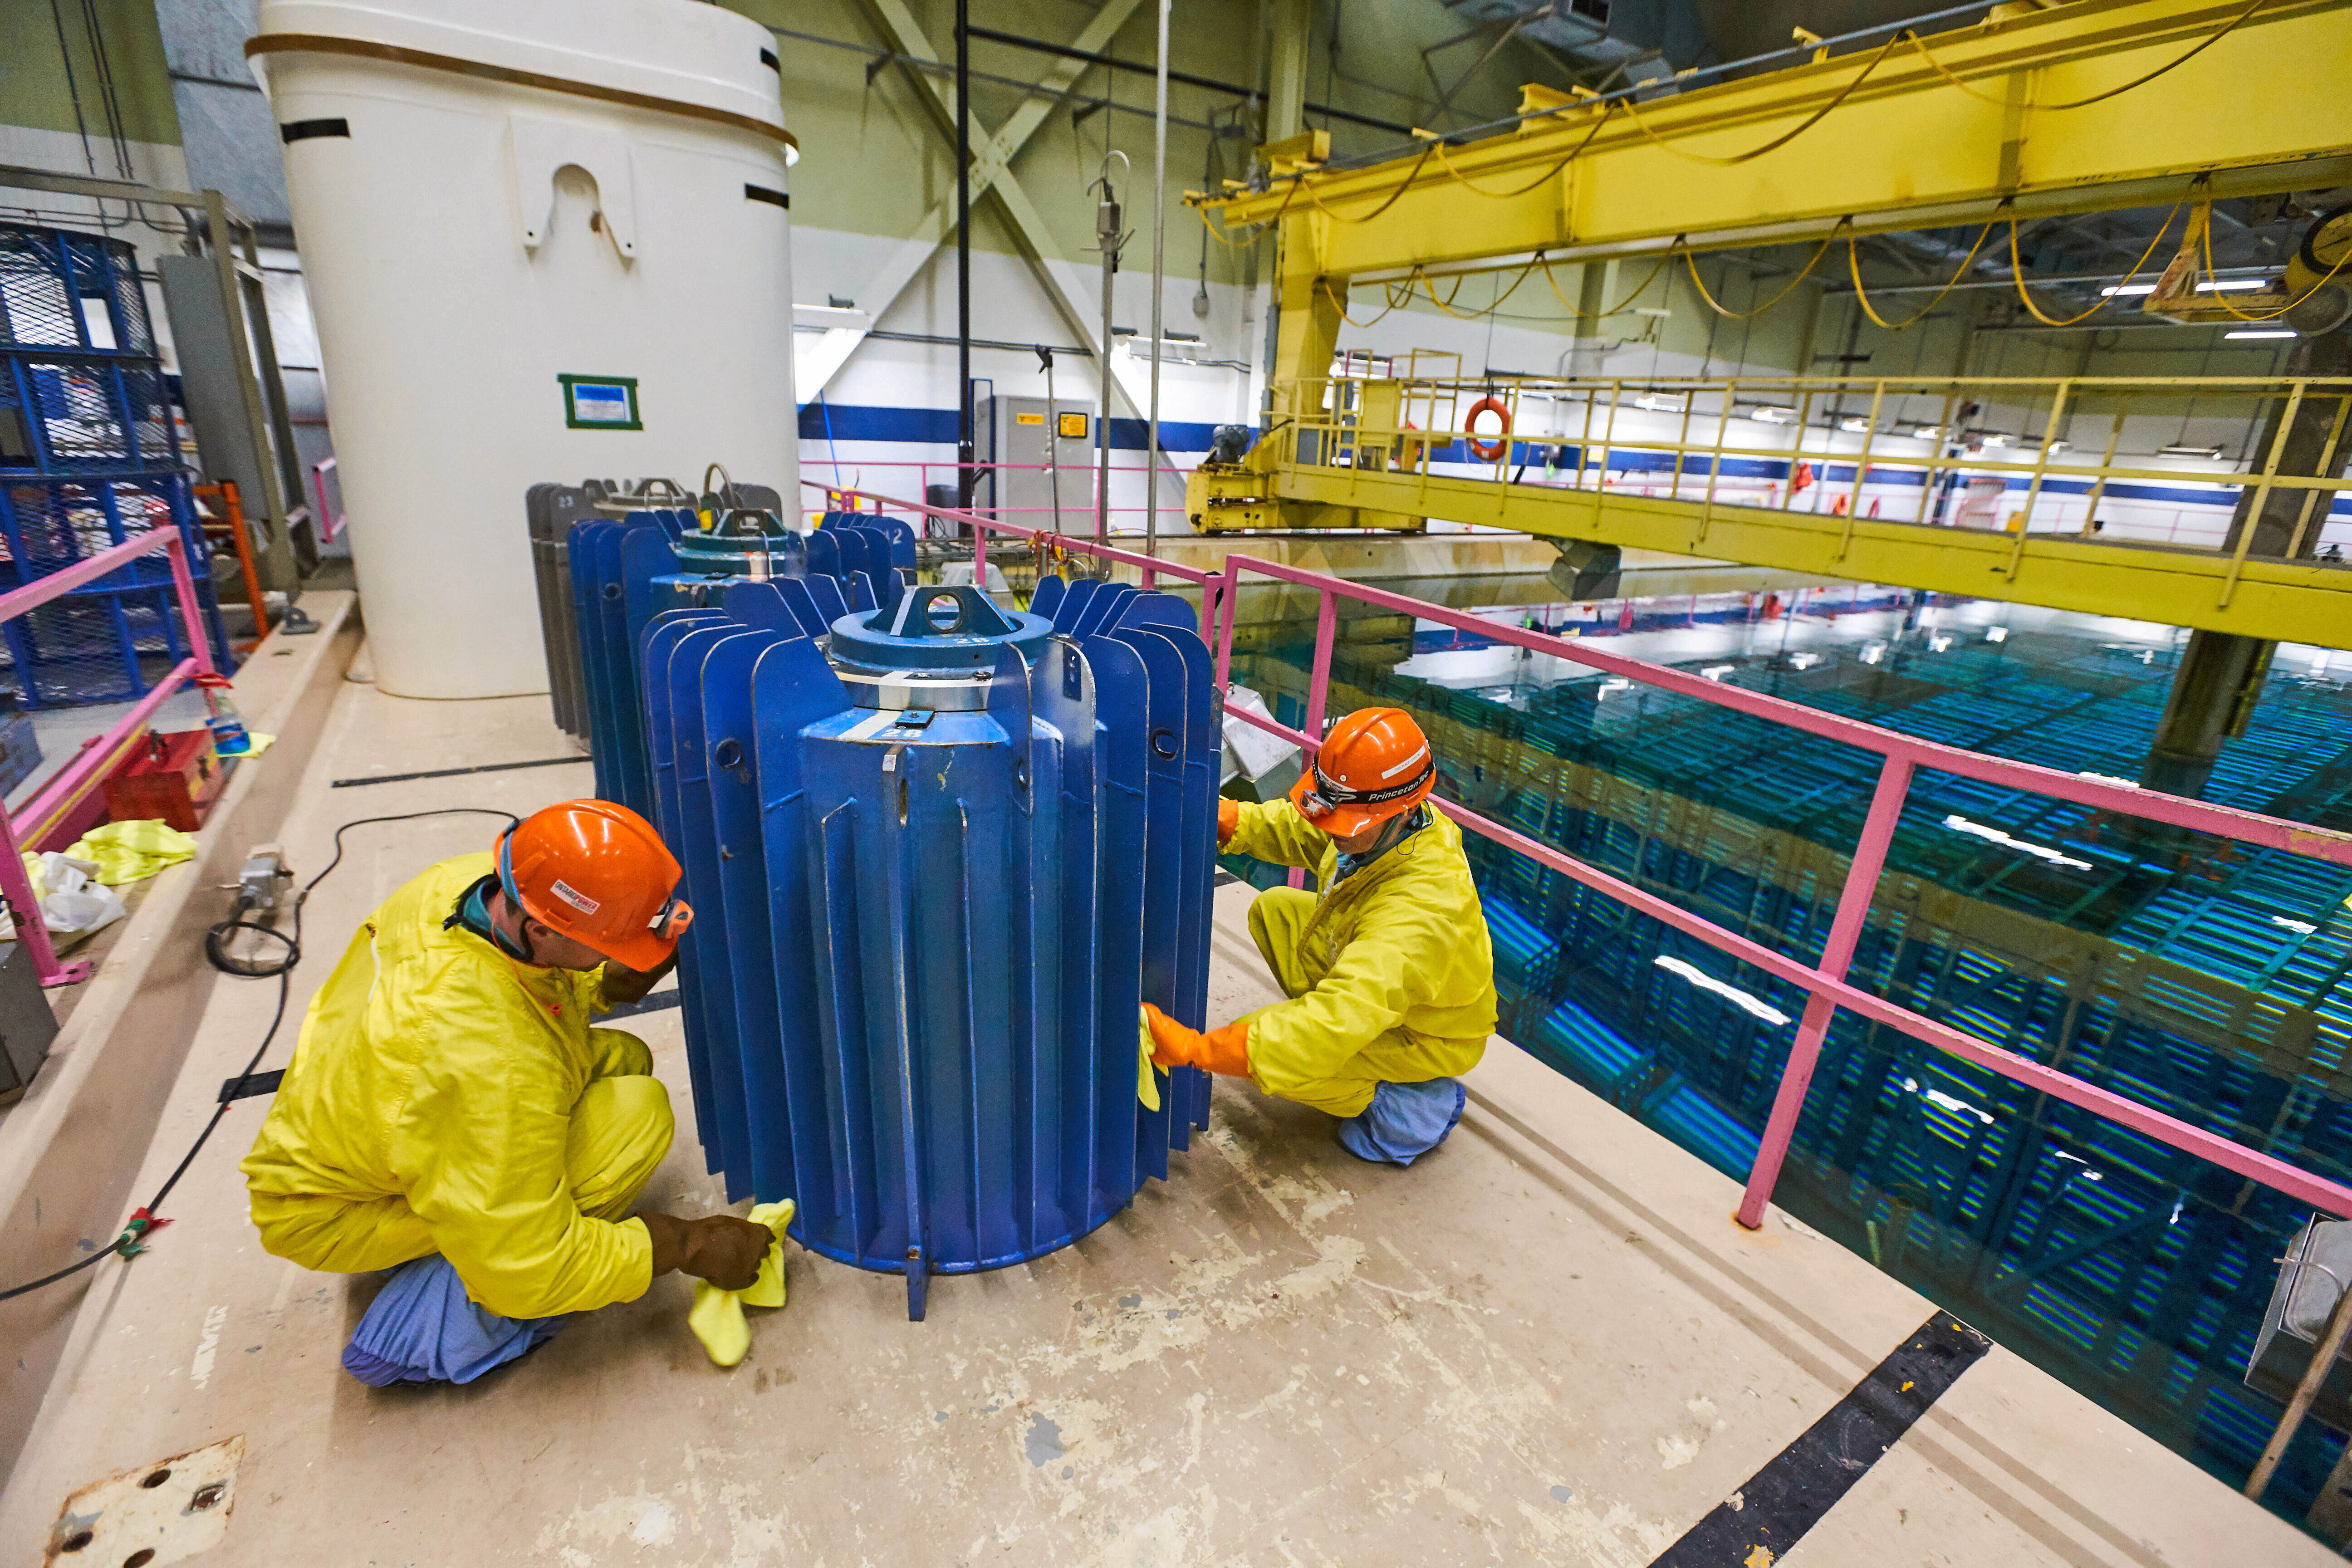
(1667, 465)
(2099, 104)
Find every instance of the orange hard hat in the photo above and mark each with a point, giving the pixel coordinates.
(1374, 765)
(599, 874)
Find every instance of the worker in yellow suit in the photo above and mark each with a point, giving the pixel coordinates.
(450, 1111)
(1388, 965)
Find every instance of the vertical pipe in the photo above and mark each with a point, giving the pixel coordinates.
(966, 455)
(1053, 440)
(1107, 218)
(1159, 221)
(1845, 931)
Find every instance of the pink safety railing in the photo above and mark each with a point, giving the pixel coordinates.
(1825, 982)
(86, 771)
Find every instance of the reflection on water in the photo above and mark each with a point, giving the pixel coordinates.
(2205, 978)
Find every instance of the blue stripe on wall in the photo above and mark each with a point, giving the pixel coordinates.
(823, 420)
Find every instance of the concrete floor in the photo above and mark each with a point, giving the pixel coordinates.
(1547, 1342)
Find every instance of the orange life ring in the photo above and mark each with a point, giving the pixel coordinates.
(1488, 451)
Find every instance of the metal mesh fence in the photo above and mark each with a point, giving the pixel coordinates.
(87, 460)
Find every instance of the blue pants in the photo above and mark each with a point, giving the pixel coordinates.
(422, 1329)
(1404, 1120)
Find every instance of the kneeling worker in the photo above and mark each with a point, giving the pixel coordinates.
(1389, 967)
(451, 1113)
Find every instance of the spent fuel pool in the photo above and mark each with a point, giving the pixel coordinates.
(2204, 978)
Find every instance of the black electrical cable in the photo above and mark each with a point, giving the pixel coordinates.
(131, 1243)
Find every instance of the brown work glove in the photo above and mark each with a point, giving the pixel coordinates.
(718, 1247)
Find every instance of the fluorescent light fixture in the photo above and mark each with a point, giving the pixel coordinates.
(1939, 642)
(2054, 447)
(1854, 423)
(2262, 332)
(1996, 633)
(1873, 652)
(2129, 288)
(1995, 836)
(2232, 285)
(1928, 433)
(1804, 661)
(1617, 683)
(1772, 414)
(1659, 403)
(2207, 452)
(1717, 672)
(2300, 927)
(1949, 1102)
(1733, 994)
(1992, 438)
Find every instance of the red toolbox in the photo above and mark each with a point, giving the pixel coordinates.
(175, 777)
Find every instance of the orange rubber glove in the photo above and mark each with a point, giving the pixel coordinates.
(1229, 819)
(1224, 1050)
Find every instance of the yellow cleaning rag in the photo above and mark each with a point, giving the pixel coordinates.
(717, 1316)
(132, 851)
(1147, 1081)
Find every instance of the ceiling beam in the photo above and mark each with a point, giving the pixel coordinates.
(991, 159)
(1030, 231)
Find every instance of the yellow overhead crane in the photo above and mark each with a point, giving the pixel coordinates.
(2086, 106)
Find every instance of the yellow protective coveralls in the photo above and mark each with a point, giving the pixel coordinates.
(1391, 973)
(445, 1097)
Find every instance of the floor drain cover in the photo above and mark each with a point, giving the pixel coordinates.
(157, 1513)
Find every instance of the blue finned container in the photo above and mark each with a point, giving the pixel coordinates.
(939, 853)
(625, 573)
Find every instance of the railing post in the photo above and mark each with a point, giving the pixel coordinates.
(1936, 454)
(1224, 632)
(2050, 429)
(1797, 460)
(1845, 932)
(1715, 462)
(16, 886)
(1861, 471)
(1319, 684)
(980, 558)
(192, 616)
(2106, 461)
(2327, 464)
(2262, 493)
